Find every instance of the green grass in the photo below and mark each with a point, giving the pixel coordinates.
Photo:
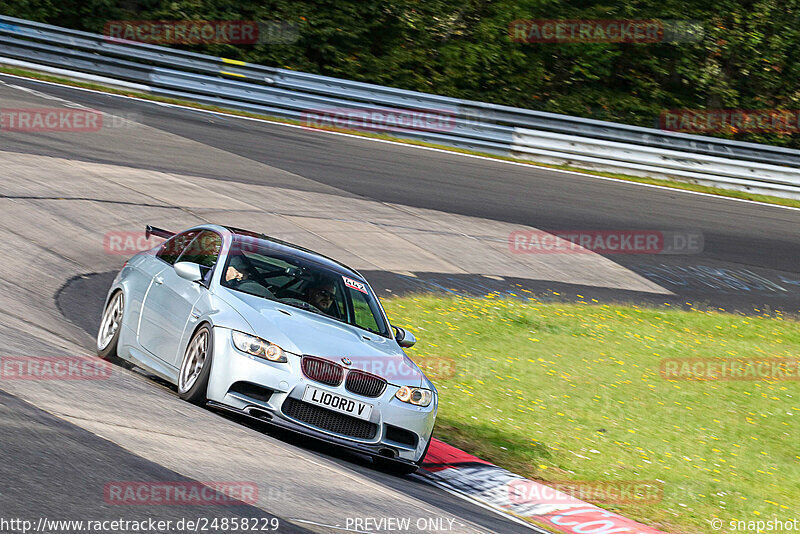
(557, 391)
(674, 184)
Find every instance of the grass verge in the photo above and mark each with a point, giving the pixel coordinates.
(557, 391)
(674, 184)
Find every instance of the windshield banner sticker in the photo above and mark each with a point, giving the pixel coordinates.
(355, 284)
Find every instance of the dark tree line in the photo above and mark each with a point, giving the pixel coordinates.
(747, 58)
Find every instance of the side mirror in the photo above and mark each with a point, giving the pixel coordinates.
(404, 338)
(189, 271)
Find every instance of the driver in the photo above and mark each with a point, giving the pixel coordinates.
(237, 271)
(322, 296)
(243, 277)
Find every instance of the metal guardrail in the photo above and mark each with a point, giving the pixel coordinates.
(474, 125)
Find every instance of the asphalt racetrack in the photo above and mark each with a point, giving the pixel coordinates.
(410, 219)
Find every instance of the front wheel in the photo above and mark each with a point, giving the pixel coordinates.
(196, 367)
(110, 327)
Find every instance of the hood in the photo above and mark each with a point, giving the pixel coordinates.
(304, 332)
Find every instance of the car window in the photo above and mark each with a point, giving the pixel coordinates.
(203, 250)
(255, 267)
(325, 293)
(172, 248)
(364, 315)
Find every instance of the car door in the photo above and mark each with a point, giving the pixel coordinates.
(168, 302)
(204, 251)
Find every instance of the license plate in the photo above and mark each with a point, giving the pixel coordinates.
(338, 403)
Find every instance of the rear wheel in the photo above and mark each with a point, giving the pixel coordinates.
(196, 367)
(110, 327)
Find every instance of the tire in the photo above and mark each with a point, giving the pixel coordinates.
(196, 366)
(400, 468)
(110, 327)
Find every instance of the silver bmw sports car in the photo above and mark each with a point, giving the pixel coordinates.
(264, 328)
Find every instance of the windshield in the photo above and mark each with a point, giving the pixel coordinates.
(257, 268)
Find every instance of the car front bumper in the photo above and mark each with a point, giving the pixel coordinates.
(281, 381)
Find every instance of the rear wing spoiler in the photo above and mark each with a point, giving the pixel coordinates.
(158, 232)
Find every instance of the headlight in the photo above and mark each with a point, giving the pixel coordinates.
(417, 396)
(258, 347)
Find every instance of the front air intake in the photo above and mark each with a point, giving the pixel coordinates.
(329, 420)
